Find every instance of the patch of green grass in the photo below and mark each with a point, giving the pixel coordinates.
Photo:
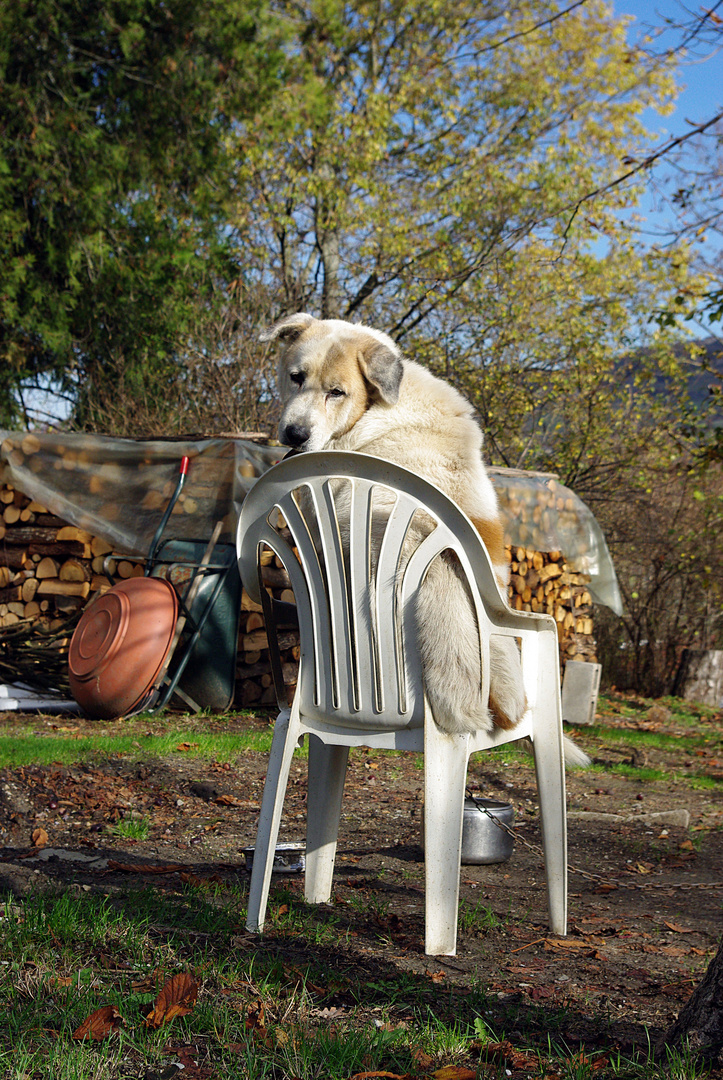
(477, 918)
(653, 739)
(700, 782)
(36, 748)
(132, 828)
(259, 1002)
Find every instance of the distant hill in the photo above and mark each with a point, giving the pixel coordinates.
(705, 373)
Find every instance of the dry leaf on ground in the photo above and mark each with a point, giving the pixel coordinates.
(177, 998)
(505, 1053)
(100, 1024)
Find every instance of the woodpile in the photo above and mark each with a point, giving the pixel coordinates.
(544, 582)
(49, 570)
(255, 684)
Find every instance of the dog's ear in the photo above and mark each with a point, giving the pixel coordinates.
(382, 367)
(287, 329)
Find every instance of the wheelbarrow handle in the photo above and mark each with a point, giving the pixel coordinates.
(182, 474)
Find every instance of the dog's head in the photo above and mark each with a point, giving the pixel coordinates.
(330, 373)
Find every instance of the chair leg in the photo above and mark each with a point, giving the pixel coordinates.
(550, 771)
(445, 772)
(327, 772)
(284, 743)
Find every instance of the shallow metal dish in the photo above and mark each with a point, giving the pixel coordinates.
(289, 858)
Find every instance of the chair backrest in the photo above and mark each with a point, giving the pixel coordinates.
(357, 535)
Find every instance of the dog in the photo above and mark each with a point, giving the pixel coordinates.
(346, 386)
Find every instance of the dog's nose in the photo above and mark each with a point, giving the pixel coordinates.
(296, 435)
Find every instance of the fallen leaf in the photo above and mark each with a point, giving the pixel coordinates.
(678, 929)
(454, 1072)
(39, 838)
(582, 1062)
(177, 998)
(184, 746)
(421, 1058)
(665, 950)
(191, 879)
(100, 1024)
(135, 868)
(368, 1075)
(435, 976)
(567, 943)
(541, 993)
(150, 982)
(505, 1053)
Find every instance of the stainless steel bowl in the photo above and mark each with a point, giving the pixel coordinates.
(289, 858)
(483, 839)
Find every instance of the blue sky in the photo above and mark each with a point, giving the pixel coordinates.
(702, 95)
(700, 75)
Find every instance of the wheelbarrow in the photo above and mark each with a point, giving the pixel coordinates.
(172, 631)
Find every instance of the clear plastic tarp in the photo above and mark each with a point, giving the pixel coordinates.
(542, 514)
(118, 489)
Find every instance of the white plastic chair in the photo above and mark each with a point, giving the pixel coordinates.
(360, 679)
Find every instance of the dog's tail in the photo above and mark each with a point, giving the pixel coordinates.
(575, 756)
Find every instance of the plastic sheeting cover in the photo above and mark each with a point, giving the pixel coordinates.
(118, 489)
(541, 513)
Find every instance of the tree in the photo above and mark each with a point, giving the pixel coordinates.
(700, 1023)
(421, 171)
(418, 150)
(112, 160)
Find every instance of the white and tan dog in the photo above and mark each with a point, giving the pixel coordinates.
(346, 386)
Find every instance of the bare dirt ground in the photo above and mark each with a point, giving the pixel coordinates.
(644, 904)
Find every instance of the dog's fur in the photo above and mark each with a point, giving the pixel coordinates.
(346, 386)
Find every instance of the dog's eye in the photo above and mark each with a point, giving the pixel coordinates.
(336, 392)
(297, 377)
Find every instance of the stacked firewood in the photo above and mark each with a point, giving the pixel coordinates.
(48, 569)
(546, 583)
(255, 684)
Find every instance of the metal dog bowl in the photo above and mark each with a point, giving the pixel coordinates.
(289, 858)
(483, 839)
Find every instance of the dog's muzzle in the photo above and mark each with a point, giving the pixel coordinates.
(296, 435)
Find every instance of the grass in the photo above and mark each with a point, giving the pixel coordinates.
(25, 747)
(261, 1011)
(132, 828)
(72, 955)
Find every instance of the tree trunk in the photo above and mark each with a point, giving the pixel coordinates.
(700, 1022)
(327, 239)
